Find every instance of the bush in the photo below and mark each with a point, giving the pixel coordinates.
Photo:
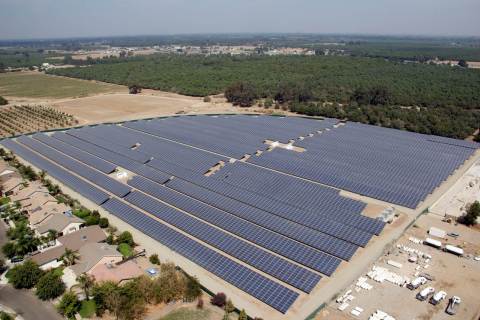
(103, 223)
(219, 300)
(69, 305)
(50, 286)
(4, 315)
(154, 259)
(472, 214)
(25, 276)
(3, 101)
(125, 237)
(193, 289)
(207, 99)
(125, 250)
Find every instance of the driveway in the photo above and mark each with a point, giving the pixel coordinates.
(25, 304)
(3, 236)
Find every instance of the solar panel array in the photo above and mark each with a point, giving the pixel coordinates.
(284, 225)
(391, 165)
(258, 286)
(86, 189)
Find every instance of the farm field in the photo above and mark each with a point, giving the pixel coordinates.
(38, 85)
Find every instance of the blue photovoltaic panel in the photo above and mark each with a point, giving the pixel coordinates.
(84, 188)
(256, 285)
(95, 162)
(277, 267)
(96, 177)
(272, 241)
(298, 231)
(113, 157)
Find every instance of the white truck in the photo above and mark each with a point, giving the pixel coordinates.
(417, 282)
(438, 297)
(452, 305)
(425, 293)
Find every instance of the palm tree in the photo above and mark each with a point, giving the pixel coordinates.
(86, 282)
(70, 257)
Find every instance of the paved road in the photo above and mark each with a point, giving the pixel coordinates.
(27, 305)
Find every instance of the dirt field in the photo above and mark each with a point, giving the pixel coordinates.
(465, 191)
(19, 87)
(455, 275)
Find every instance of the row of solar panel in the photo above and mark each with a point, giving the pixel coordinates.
(87, 190)
(130, 137)
(282, 269)
(308, 218)
(400, 167)
(277, 267)
(270, 240)
(103, 181)
(258, 286)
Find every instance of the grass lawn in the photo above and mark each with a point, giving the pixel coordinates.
(187, 314)
(4, 200)
(39, 85)
(58, 271)
(125, 250)
(87, 309)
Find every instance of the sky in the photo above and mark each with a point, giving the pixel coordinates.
(28, 19)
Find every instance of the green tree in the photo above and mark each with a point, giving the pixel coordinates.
(242, 315)
(193, 288)
(5, 316)
(125, 237)
(25, 276)
(229, 307)
(154, 259)
(86, 283)
(472, 214)
(69, 305)
(103, 223)
(50, 286)
(9, 249)
(70, 257)
(241, 93)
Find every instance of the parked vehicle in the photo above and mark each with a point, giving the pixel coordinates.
(438, 297)
(452, 305)
(453, 234)
(425, 293)
(16, 259)
(417, 282)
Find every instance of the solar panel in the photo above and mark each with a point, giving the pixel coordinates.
(267, 239)
(253, 283)
(86, 189)
(279, 268)
(96, 177)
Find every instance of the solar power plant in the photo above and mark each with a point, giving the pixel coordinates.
(272, 225)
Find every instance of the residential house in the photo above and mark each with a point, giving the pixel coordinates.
(43, 213)
(116, 272)
(62, 223)
(12, 185)
(51, 258)
(96, 254)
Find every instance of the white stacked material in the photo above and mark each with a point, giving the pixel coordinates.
(362, 283)
(415, 240)
(395, 264)
(343, 306)
(436, 232)
(454, 250)
(414, 251)
(433, 242)
(355, 312)
(344, 296)
(380, 274)
(380, 315)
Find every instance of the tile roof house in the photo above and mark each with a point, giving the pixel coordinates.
(11, 185)
(73, 241)
(62, 223)
(43, 213)
(94, 254)
(116, 272)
